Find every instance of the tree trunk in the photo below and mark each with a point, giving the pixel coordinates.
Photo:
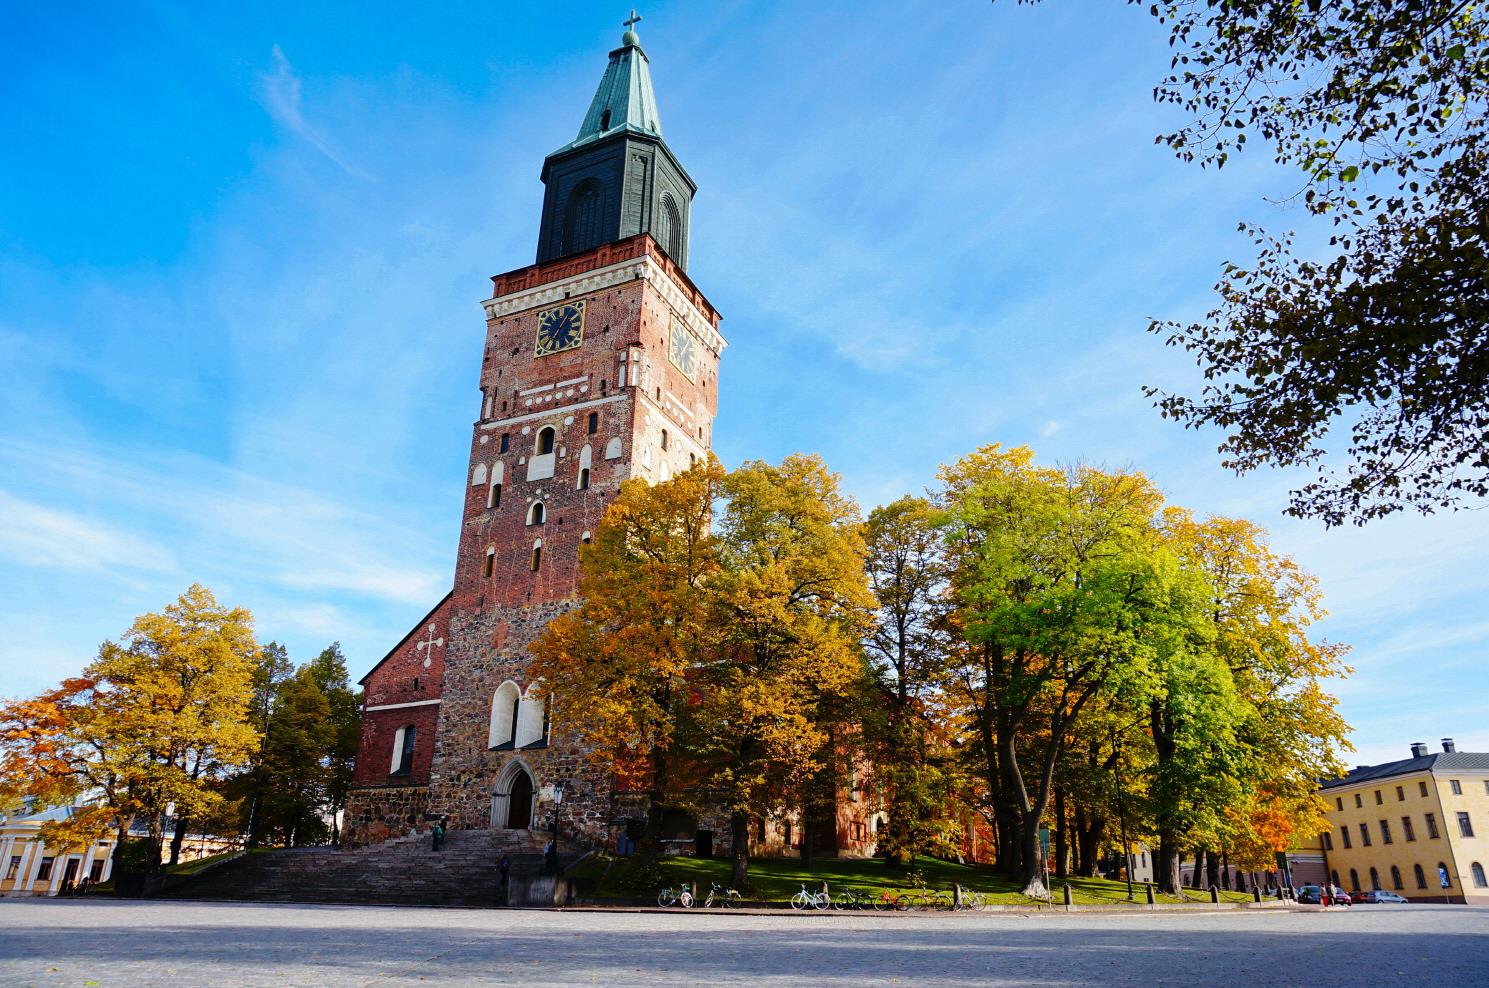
(1166, 863)
(1062, 842)
(1212, 870)
(1197, 879)
(739, 840)
(807, 830)
(156, 839)
(177, 839)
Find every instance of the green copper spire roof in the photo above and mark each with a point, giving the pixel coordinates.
(625, 100)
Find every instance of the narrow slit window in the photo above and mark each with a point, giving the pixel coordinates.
(584, 479)
(545, 441)
(535, 513)
(494, 498)
(537, 556)
(490, 566)
(594, 423)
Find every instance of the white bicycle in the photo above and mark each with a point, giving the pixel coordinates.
(681, 897)
(810, 900)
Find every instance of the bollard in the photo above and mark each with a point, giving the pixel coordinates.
(1151, 899)
(1214, 894)
(1256, 894)
(956, 896)
(1069, 899)
(1279, 893)
(693, 888)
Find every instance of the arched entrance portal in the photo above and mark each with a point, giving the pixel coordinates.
(512, 800)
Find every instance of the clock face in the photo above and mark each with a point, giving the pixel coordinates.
(682, 350)
(560, 328)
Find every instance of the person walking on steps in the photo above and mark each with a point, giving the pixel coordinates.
(439, 832)
(504, 870)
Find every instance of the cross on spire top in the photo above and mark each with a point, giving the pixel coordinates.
(632, 21)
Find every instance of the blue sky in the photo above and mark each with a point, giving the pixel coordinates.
(242, 249)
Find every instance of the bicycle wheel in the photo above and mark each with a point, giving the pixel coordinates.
(843, 902)
(708, 903)
(799, 901)
(901, 903)
(685, 899)
(664, 898)
(821, 901)
(731, 898)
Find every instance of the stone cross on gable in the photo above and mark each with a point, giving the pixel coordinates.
(427, 646)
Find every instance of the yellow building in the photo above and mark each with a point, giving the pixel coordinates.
(1418, 827)
(28, 867)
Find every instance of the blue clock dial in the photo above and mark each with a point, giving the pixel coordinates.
(560, 328)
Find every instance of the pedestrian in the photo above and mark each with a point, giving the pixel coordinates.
(504, 869)
(550, 858)
(439, 832)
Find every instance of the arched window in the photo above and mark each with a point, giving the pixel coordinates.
(585, 538)
(478, 475)
(1374, 879)
(669, 227)
(1396, 878)
(1420, 876)
(1334, 876)
(537, 554)
(584, 480)
(490, 566)
(613, 448)
(594, 422)
(545, 441)
(494, 496)
(1479, 880)
(532, 720)
(583, 216)
(535, 513)
(586, 457)
(403, 750)
(664, 439)
(1354, 880)
(605, 119)
(1444, 876)
(506, 706)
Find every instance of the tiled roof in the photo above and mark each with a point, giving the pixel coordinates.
(1468, 761)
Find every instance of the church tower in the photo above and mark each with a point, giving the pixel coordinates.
(600, 364)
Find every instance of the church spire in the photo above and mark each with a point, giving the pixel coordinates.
(617, 178)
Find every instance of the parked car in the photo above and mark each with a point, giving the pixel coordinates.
(1310, 895)
(1342, 898)
(1377, 896)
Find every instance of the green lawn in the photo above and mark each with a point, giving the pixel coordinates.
(775, 880)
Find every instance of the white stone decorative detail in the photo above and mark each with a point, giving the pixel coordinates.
(428, 645)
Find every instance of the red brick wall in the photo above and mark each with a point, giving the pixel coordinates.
(404, 678)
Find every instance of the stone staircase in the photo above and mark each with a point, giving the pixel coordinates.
(404, 870)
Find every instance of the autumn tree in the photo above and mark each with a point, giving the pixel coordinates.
(788, 605)
(619, 664)
(907, 643)
(153, 724)
(1063, 591)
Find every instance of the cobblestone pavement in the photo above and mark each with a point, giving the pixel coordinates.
(80, 943)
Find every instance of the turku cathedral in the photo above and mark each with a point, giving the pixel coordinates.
(601, 364)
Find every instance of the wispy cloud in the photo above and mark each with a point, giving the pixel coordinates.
(35, 535)
(280, 89)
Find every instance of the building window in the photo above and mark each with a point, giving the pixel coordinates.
(494, 497)
(535, 513)
(1358, 801)
(1486, 787)
(1406, 828)
(1443, 878)
(490, 566)
(506, 441)
(537, 554)
(1374, 879)
(403, 750)
(1344, 836)
(1334, 877)
(1385, 831)
(95, 871)
(585, 538)
(664, 447)
(1479, 881)
(1378, 800)
(1419, 875)
(583, 217)
(1432, 826)
(1339, 802)
(584, 479)
(1396, 878)
(1328, 841)
(1400, 794)
(1465, 828)
(545, 440)
(1354, 880)
(594, 423)
(15, 866)
(1422, 787)
(46, 869)
(605, 119)
(1456, 786)
(1364, 834)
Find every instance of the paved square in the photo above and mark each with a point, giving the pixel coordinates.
(75, 943)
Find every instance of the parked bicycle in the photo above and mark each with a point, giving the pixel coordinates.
(854, 899)
(810, 900)
(682, 896)
(972, 900)
(722, 897)
(929, 898)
